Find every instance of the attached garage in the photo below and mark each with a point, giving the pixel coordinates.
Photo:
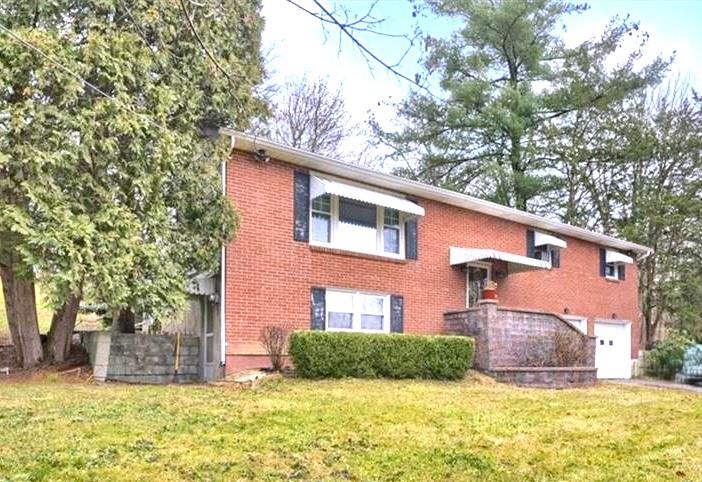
(613, 348)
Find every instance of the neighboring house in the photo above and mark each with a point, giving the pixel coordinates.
(327, 245)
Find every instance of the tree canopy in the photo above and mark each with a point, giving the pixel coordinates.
(507, 80)
(109, 185)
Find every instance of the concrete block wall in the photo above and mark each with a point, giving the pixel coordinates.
(144, 358)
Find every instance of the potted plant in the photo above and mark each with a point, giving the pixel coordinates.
(490, 291)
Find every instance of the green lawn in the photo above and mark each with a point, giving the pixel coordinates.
(44, 315)
(347, 430)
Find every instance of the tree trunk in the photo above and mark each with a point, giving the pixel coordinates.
(61, 332)
(21, 308)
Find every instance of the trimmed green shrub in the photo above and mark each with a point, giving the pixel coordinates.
(323, 354)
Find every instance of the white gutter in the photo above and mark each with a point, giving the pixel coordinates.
(313, 161)
(222, 274)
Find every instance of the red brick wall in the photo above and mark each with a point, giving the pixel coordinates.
(269, 275)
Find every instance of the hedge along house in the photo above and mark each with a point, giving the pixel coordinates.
(327, 245)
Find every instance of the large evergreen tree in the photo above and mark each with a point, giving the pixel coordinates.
(109, 187)
(508, 79)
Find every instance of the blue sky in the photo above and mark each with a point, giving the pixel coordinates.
(297, 46)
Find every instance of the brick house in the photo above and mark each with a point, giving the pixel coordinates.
(323, 244)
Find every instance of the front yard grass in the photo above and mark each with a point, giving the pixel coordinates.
(347, 430)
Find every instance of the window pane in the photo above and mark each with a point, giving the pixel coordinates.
(339, 301)
(371, 322)
(358, 238)
(340, 320)
(321, 227)
(392, 217)
(357, 213)
(391, 240)
(372, 305)
(209, 349)
(322, 203)
(209, 322)
(611, 269)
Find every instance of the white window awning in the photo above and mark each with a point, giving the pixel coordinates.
(617, 257)
(542, 239)
(320, 185)
(515, 262)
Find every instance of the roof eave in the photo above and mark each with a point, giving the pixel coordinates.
(247, 142)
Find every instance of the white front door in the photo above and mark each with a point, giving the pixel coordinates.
(613, 349)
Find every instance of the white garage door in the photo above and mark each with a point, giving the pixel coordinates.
(613, 352)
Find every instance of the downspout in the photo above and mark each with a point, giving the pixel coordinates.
(222, 273)
(645, 255)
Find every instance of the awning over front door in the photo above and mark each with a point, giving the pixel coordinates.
(515, 263)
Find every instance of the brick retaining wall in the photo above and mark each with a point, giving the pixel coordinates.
(547, 377)
(501, 334)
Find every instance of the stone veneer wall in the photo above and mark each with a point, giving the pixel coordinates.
(502, 333)
(547, 377)
(144, 358)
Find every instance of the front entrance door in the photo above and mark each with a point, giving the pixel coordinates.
(208, 340)
(613, 349)
(476, 279)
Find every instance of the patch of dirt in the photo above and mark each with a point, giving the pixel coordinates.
(74, 370)
(477, 378)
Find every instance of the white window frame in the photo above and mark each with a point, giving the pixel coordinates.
(379, 226)
(476, 264)
(548, 252)
(579, 322)
(617, 271)
(356, 320)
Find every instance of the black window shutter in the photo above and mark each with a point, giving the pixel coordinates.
(301, 209)
(396, 314)
(603, 262)
(530, 251)
(318, 308)
(622, 272)
(411, 238)
(555, 258)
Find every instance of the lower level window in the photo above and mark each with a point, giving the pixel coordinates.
(355, 311)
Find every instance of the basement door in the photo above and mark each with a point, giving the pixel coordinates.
(613, 349)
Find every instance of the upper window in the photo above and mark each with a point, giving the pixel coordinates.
(613, 270)
(321, 218)
(356, 225)
(547, 253)
(391, 231)
(355, 311)
(613, 264)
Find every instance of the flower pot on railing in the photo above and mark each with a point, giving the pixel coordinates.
(490, 291)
